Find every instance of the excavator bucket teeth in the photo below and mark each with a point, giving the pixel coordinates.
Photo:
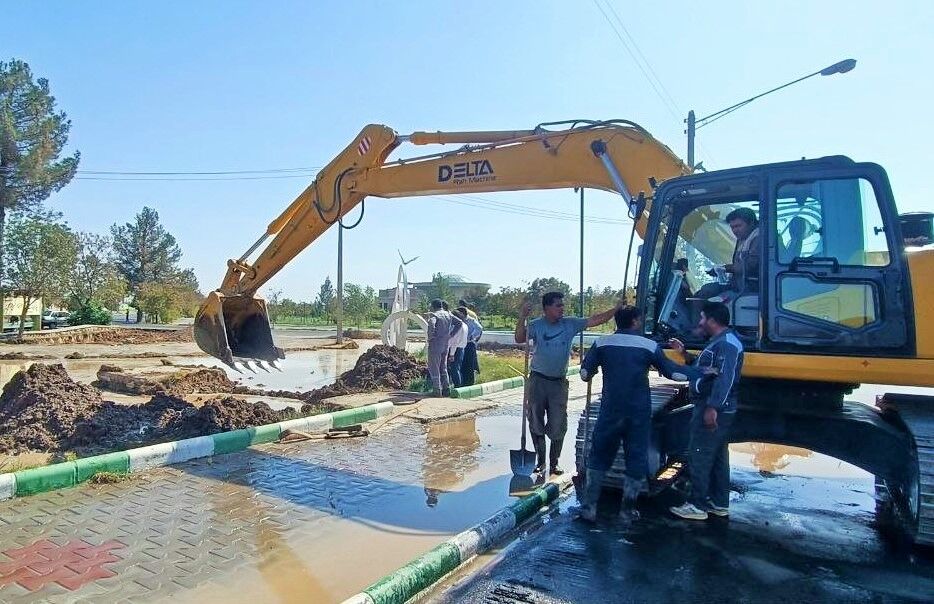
(235, 328)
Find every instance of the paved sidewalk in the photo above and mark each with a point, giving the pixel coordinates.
(315, 521)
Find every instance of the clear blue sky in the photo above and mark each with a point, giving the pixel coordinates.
(214, 86)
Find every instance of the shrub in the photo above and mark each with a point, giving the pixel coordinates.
(91, 313)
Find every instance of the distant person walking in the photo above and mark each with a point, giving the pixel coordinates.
(471, 365)
(714, 410)
(439, 334)
(552, 336)
(456, 345)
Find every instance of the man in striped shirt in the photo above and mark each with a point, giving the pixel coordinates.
(714, 410)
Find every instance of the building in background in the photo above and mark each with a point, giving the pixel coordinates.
(420, 292)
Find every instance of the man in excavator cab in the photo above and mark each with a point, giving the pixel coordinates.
(742, 274)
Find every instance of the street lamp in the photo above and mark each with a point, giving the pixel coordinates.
(694, 124)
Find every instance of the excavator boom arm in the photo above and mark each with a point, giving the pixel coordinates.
(613, 156)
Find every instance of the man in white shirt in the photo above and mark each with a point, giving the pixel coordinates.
(456, 345)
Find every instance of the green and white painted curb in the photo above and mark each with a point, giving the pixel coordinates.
(498, 385)
(421, 573)
(71, 473)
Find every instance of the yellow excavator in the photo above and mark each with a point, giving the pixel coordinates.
(840, 300)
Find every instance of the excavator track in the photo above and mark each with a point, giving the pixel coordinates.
(916, 412)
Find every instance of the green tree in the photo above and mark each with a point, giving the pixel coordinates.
(359, 302)
(324, 304)
(166, 301)
(41, 258)
(94, 277)
(32, 136)
(543, 285)
(144, 252)
(273, 307)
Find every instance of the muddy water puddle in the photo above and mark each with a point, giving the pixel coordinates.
(460, 477)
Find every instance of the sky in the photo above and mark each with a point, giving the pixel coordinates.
(232, 86)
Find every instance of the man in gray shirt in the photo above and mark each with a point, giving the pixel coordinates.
(440, 323)
(552, 336)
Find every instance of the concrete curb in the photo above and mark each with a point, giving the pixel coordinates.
(423, 572)
(497, 385)
(71, 473)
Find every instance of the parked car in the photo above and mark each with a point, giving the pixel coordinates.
(55, 318)
(11, 323)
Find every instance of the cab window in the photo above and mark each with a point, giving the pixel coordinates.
(834, 218)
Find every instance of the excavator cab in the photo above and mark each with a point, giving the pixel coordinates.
(235, 328)
(826, 273)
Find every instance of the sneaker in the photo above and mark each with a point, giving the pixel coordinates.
(555, 471)
(628, 515)
(688, 511)
(539, 469)
(717, 510)
(446, 392)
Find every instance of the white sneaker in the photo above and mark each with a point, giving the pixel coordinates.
(688, 511)
(717, 510)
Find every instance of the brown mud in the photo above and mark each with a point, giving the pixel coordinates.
(379, 368)
(43, 409)
(110, 335)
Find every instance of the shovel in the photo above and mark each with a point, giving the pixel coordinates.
(521, 460)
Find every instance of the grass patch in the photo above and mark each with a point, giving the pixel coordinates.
(494, 367)
(108, 478)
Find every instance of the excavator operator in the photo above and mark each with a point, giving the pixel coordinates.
(744, 270)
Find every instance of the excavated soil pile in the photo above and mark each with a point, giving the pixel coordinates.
(186, 380)
(167, 418)
(379, 368)
(43, 409)
(42, 406)
(111, 335)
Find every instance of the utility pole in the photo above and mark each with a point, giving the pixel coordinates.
(340, 283)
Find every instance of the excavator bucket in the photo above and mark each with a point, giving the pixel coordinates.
(233, 328)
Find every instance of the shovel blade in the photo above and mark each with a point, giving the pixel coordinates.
(522, 462)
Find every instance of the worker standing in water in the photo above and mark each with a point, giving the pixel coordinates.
(625, 408)
(552, 336)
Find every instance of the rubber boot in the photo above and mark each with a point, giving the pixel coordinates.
(632, 488)
(538, 443)
(554, 455)
(592, 486)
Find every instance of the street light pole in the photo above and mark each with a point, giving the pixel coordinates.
(694, 124)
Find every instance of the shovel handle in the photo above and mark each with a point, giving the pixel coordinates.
(525, 383)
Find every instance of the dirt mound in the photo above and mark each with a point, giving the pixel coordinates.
(166, 418)
(359, 334)
(110, 335)
(183, 381)
(379, 368)
(41, 406)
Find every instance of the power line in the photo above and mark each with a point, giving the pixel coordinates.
(635, 60)
(644, 59)
(544, 212)
(525, 211)
(196, 178)
(220, 173)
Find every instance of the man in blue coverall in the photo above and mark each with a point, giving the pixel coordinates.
(625, 406)
(714, 410)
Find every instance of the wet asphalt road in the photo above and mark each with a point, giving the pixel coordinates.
(802, 529)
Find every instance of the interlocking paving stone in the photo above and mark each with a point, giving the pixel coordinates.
(198, 522)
